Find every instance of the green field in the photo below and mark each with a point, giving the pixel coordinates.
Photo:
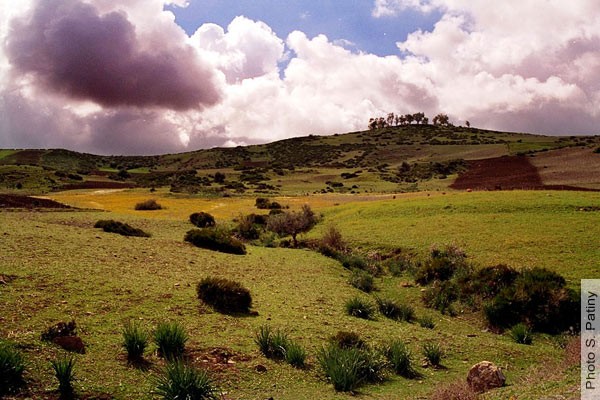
(65, 269)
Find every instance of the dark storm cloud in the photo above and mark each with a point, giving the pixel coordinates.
(67, 46)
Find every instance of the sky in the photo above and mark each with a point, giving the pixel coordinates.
(166, 76)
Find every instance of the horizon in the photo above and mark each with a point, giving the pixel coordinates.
(171, 76)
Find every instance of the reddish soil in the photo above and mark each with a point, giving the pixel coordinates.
(18, 201)
(505, 173)
(97, 185)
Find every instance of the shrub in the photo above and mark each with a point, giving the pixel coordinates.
(332, 239)
(394, 310)
(521, 334)
(295, 355)
(64, 372)
(135, 340)
(440, 296)
(112, 226)
(215, 239)
(397, 266)
(293, 223)
(224, 295)
(180, 381)
(353, 262)
(202, 220)
(433, 353)
(441, 265)
(360, 308)
(148, 205)
(362, 280)
(12, 367)
(170, 339)
(60, 329)
(349, 368)
(250, 227)
(262, 203)
(348, 340)
(426, 322)
(400, 359)
(486, 283)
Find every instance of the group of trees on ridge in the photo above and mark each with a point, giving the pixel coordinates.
(407, 119)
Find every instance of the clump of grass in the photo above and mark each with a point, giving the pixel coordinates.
(12, 367)
(426, 322)
(521, 334)
(400, 358)
(64, 372)
(277, 345)
(224, 295)
(148, 205)
(348, 340)
(112, 226)
(170, 338)
(180, 381)
(215, 239)
(433, 353)
(394, 310)
(360, 308)
(362, 280)
(441, 296)
(295, 355)
(135, 341)
(349, 368)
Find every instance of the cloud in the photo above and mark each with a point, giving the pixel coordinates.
(68, 47)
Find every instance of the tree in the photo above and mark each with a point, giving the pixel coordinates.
(418, 117)
(293, 223)
(441, 120)
(409, 118)
(219, 177)
(390, 119)
(372, 124)
(468, 124)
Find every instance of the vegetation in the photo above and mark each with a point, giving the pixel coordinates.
(12, 367)
(64, 372)
(112, 226)
(202, 220)
(148, 205)
(521, 334)
(360, 308)
(362, 280)
(394, 310)
(135, 340)
(293, 223)
(277, 345)
(224, 295)
(215, 239)
(170, 339)
(181, 381)
(400, 358)
(348, 368)
(433, 353)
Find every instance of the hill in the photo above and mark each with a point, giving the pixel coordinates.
(392, 159)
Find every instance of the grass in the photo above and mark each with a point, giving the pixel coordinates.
(521, 334)
(170, 339)
(400, 358)
(64, 371)
(433, 353)
(181, 381)
(135, 340)
(102, 282)
(12, 367)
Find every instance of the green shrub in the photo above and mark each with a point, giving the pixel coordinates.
(135, 340)
(360, 308)
(352, 262)
(400, 358)
(349, 368)
(347, 340)
(441, 296)
(295, 355)
(64, 373)
(362, 280)
(250, 227)
(332, 239)
(426, 322)
(202, 220)
(441, 265)
(112, 226)
(180, 381)
(215, 239)
(485, 283)
(148, 205)
(394, 310)
(399, 265)
(433, 353)
(521, 334)
(12, 367)
(224, 295)
(170, 339)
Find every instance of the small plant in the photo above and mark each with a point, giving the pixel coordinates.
(393, 310)
(271, 343)
(12, 366)
(148, 205)
(135, 340)
(349, 368)
(362, 280)
(400, 358)
(521, 334)
(295, 355)
(180, 381)
(121, 228)
(426, 322)
(354, 262)
(224, 295)
(348, 340)
(64, 372)
(170, 338)
(441, 296)
(433, 353)
(215, 239)
(202, 220)
(360, 308)
(332, 239)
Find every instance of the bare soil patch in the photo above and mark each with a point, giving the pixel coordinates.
(28, 202)
(576, 166)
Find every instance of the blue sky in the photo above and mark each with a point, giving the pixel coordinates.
(349, 20)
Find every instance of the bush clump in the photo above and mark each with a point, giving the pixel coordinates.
(441, 296)
(394, 310)
(362, 280)
(332, 241)
(348, 340)
(181, 381)
(348, 368)
(400, 358)
(360, 308)
(148, 205)
(112, 226)
(441, 265)
(215, 239)
(426, 322)
(224, 295)
(135, 341)
(170, 339)
(12, 367)
(202, 220)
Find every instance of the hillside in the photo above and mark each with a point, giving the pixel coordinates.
(405, 158)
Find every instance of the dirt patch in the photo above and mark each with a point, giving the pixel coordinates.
(217, 359)
(97, 185)
(28, 202)
(570, 166)
(6, 279)
(505, 173)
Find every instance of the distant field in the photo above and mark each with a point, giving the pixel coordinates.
(65, 269)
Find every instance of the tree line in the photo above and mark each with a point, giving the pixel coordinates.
(407, 119)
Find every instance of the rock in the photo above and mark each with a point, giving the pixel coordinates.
(260, 368)
(70, 343)
(484, 376)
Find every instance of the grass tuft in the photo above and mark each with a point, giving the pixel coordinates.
(179, 381)
(64, 372)
(170, 338)
(521, 334)
(135, 340)
(360, 308)
(12, 367)
(400, 358)
(433, 353)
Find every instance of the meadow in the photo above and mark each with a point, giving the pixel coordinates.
(61, 268)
